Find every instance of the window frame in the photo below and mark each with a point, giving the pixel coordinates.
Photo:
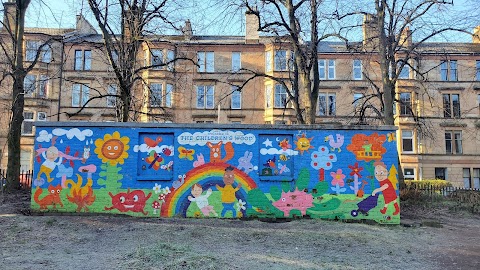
(155, 94)
(236, 94)
(31, 51)
(168, 95)
(268, 61)
(30, 85)
(451, 107)
(467, 178)
(406, 138)
(29, 121)
(331, 69)
(206, 61)
(476, 178)
(453, 142)
(207, 92)
(157, 59)
(83, 94)
(405, 104)
(408, 176)
(112, 101)
(328, 109)
(236, 63)
(280, 60)
(268, 96)
(449, 70)
(441, 171)
(357, 68)
(82, 60)
(280, 97)
(477, 67)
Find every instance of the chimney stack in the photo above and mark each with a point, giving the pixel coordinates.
(370, 32)
(476, 34)
(251, 27)
(187, 30)
(406, 38)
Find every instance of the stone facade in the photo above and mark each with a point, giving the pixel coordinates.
(446, 98)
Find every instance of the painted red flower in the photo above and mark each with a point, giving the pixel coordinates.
(355, 170)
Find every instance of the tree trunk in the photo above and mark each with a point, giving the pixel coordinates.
(18, 102)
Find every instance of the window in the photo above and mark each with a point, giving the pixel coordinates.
(453, 142)
(43, 86)
(46, 54)
(324, 71)
(466, 178)
(407, 141)
(156, 58)
(156, 94)
(476, 178)
(280, 97)
(441, 173)
(268, 61)
(170, 60)
(83, 60)
(25, 160)
(30, 85)
(357, 69)
(236, 61)
(326, 104)
(280, 60)
(41, 116)
(205, 97)
(405, 72)
(168, 96)
(31, 48)
(236, 102)
(405, 104)
(448, 70)
(409, 173)
(27, 125)
(451, 105)
(357, 100)
(478, 103)
(205, 61)
(268, 96)
(111, 100)
(80, 94)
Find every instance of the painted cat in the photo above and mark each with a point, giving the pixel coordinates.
(52, 198)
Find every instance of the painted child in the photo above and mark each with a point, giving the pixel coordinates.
(228, 191)
(49, 164)
(386, 187)
(202, 200)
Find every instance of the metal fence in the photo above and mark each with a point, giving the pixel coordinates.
(25, 178)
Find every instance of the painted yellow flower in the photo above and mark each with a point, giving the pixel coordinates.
(112, 148)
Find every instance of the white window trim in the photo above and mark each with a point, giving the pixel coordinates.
(234, 67)
(412, 138)
(205, 102)
(329, 75)
(410, 177)
(357, 67)
(236, 93)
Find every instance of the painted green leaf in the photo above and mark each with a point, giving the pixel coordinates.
(322, 188)
(286, 186)
(303, 179)
(275, 192)
(331, 204)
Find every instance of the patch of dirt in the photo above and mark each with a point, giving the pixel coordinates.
(429, 239)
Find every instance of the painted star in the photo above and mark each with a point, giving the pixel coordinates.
(267, 143)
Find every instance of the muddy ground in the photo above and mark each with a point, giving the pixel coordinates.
(427, 239)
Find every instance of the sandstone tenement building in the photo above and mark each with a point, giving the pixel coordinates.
(73, 69)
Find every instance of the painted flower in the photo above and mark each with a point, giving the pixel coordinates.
(157, 188)
(338, 178)
(112, 148)
(240, 205)
(355, 170)
(166, 190)
(197, 214)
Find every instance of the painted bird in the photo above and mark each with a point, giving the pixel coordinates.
(152, 143)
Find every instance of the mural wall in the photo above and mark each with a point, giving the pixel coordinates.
(229, 172)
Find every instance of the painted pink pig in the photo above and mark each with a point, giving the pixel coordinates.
(294, 200)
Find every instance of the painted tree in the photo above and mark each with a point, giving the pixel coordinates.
(12, 37)
(126, 26)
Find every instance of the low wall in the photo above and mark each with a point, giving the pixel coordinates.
(221, 171)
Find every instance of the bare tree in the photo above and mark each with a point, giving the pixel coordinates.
(299, 26)
(16, 69)
(127, 26)
(390, 28)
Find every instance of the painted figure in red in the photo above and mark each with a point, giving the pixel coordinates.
(130, 201)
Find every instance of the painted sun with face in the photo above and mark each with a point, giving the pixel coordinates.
(303, 143)
(112, 148)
